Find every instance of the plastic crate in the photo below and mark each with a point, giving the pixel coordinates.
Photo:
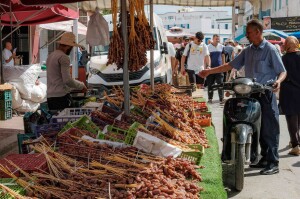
(110, 105)
(129, 135)
(23, 147)
(100, 123)
(65, 119)
(5, 104)
(114, 113)
(5, 95)
(194, 156)
(27, 162)
(76, 111)
(84, 123)
(11, 183)
(30, 118)
(43, 129)
(71, 114)
(5, 114)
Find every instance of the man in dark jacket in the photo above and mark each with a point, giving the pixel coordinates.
(179, 52)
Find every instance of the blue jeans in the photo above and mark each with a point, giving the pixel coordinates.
(269, 133)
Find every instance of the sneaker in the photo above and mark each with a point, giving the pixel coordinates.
(270, 169)
(295, 151)
(210, 101)
(222, 101)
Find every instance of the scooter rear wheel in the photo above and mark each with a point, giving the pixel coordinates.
(239, 167)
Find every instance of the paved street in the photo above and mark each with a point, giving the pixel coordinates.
(284, 185)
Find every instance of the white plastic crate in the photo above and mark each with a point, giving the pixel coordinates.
(71, 114)
(76, 111)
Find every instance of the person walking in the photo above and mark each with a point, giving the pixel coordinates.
(179, 52)
(262, 62)
(217, 57)
(198, 59)
(290, 92)
(59, 80)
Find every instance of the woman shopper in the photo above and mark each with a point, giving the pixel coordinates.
(290, 92)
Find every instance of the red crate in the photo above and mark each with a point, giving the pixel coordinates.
(27, 162)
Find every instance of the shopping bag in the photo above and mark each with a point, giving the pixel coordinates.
(183, 80)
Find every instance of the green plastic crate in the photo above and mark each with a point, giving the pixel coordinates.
(10, 183)
(194, 156)
(5, 114)
(84, 123)
(5, 104)
(5, 95)
(129, 134)
(24, 149)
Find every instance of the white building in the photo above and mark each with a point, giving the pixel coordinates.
(209, 22)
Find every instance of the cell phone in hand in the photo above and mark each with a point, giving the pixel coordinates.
(15, 50)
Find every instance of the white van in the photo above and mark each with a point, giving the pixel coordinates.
(108, 76)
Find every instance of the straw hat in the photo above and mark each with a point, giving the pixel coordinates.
(68, 39)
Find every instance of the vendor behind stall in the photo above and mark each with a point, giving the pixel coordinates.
(8, 55)
(59, 80)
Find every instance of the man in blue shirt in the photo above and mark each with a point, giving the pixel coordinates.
(217, 57)
(263, 62)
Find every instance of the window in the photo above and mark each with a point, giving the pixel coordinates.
(279, 4)
(275, 5)
(287, 2)
(226, 26)
(212, 26)
(170, 17)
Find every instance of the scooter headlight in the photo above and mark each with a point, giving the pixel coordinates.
(242, 89)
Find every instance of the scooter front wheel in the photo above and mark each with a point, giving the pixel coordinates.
(239, 166)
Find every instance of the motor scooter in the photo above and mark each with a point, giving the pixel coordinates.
(241, 124)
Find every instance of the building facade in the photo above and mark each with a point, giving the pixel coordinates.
(209, 22)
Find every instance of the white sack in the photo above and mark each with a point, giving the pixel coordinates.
(154, 145)
(98, 31)
(24, 78)
(17, 101)
(38, 93)
(28, 106)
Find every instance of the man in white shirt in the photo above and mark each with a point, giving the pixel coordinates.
(198, 59)
(8, 56)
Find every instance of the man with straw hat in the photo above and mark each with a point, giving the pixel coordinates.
(59, 80)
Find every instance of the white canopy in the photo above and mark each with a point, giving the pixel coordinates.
(65, 26)
(104, 4)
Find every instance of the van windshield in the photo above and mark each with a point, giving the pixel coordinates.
(103, 50)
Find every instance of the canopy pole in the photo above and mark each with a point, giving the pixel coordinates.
(125, 63)
(75, 50)
(1, 64)
(151, 51)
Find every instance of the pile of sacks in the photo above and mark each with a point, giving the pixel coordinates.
(27, 95)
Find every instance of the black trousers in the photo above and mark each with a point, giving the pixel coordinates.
(60, 103)
(194, 78)
(269, 132)
(211, 80)
(293, 124)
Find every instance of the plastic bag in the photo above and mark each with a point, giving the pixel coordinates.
(98, 31)
(183, 80)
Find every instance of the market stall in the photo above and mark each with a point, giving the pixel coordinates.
(155, 151)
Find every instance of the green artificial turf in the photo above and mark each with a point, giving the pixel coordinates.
(212, 173)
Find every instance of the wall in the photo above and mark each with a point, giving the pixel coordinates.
(201, 21)
(289, 8)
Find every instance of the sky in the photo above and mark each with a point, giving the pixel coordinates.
(161, 9)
